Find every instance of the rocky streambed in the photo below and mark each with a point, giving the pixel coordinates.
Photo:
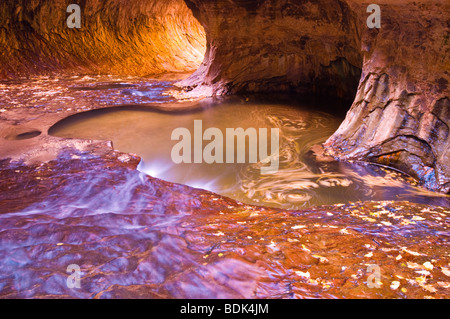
(77, 202)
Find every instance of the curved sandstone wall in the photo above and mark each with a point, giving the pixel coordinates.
(400, 115)
(273, 45)
(116, 37)
(397, 75)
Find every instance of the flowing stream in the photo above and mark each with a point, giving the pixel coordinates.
(298, 181)
(132, 236)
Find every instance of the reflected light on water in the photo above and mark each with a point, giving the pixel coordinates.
(135, 236)
(299, 182)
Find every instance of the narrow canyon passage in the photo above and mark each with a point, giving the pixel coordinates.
(87, 120)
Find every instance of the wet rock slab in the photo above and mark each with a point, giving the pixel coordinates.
(135, 236)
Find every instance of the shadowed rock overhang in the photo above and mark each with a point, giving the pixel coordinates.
(397, 75)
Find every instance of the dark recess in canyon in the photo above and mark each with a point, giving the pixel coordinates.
(397, 76)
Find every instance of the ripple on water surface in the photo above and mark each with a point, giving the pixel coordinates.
(299, 181)
(135, 236)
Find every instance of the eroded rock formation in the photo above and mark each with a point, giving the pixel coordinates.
(260, 46)
(135, 236)
(116, 37)
(400, 116)
(399, 73)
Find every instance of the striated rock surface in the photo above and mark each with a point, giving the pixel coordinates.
(397, 75)
(116, 37)
(134, 236)
(400, 116)
(77, 202)
(266, 45)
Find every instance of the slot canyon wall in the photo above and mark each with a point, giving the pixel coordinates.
(397, 76)
(268, 45)
(400, 72)
(116, 37)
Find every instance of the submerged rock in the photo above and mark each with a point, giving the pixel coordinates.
(400, 115)
(134, 236)
(72, 202)
(116, 37)
(398, 72)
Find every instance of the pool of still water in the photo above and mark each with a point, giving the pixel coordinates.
(136, 237)
(298, 180)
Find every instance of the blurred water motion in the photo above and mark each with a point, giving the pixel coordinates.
(300, 180)
(135, 236)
